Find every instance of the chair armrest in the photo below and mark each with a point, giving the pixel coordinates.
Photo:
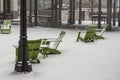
(42, 46)
(49, 39)
(52, 39)
(55, 40)
(98, 30)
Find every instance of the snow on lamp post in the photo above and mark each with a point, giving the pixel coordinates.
(23, 64)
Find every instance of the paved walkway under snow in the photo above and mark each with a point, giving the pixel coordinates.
(99, 60)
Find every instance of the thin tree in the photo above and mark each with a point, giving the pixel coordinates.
(119, 15)
(114, 13)
(73, 12)
(60, 11)
(109, 14)
(30, 23)
(99, 14)
(92, 6)
(71, 19)
(52, 13)
(80, 11)
(4, 9)
(35, 13)
(56, 14)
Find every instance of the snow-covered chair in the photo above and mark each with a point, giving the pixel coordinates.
(6, 27)
(89, 36)
(33, 50)
(99, 35)
(47, 48)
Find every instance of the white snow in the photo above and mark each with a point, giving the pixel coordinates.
(99, 60)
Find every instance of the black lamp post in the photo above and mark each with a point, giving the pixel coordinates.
(23, 64)
(35, 14)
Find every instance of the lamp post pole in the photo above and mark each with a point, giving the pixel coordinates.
(23, 64)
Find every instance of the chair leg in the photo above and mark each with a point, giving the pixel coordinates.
(38, 61)
(79, 37)
(99, 37)
(44, 52)
(35, 61)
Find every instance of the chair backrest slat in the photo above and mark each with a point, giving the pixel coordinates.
(103, 30)
(90, 33)
(34, 44)
(59, 39)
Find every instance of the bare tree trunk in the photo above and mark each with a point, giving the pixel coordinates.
(60, 13)
(72, 12)
(119, 15)
(114, 13)
(35, 13)
(56, 14)
(4, 9)
(91, 6)
(80, 11)
(30, 23)
(52, 13)
(99, 14)
(109, 13)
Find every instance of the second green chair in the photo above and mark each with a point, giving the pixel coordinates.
(89, 36)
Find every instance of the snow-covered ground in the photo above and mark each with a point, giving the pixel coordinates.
(99, 60)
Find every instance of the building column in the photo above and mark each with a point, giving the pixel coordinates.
(14, 8)
(1, 6)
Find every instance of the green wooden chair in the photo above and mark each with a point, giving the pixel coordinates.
(47, 48)
(99, 36)
(33, 50)
(6, 27)
(89, 36)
